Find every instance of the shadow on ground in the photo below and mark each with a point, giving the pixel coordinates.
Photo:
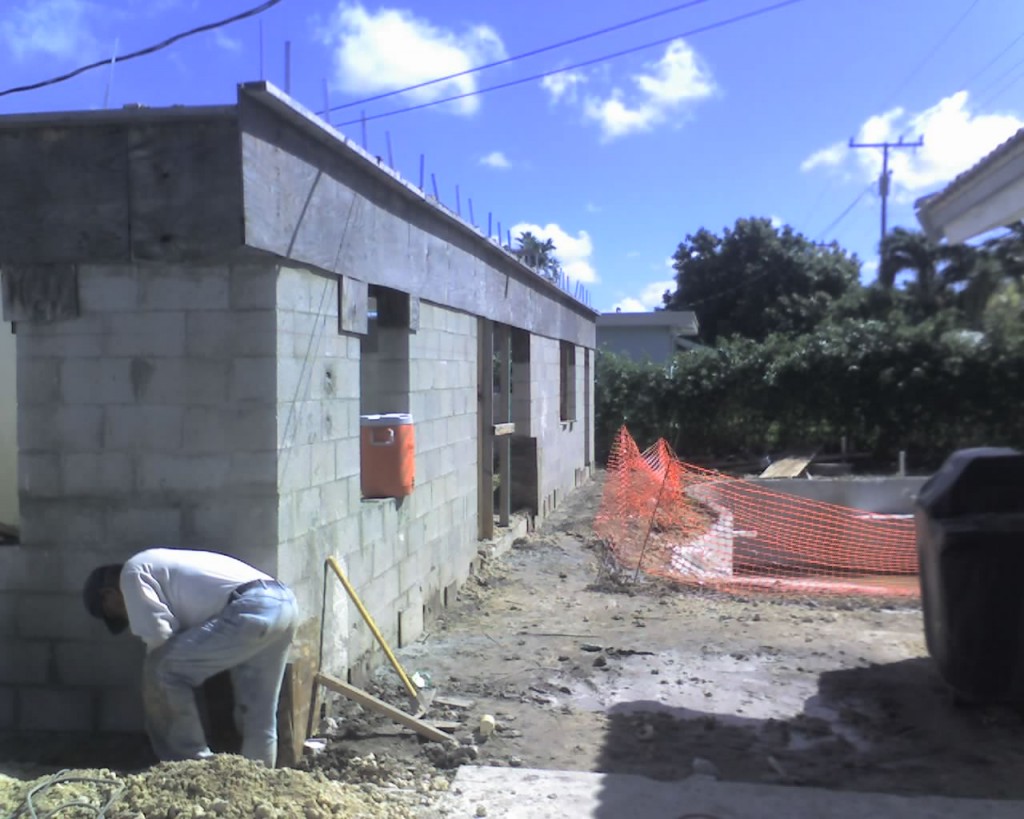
(889, 728)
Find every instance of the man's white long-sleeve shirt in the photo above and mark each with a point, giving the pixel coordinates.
(170, 590)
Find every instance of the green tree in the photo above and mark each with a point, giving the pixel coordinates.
(756, 279)
(540, 255)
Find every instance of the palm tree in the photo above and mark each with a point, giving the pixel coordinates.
(942, 273)
(539, 255)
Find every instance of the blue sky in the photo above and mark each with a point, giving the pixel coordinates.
(618, 161)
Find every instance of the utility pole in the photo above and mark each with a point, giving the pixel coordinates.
(883, 180)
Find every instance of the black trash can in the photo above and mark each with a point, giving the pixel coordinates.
(970, 541)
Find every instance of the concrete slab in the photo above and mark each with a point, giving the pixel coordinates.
(523, 793)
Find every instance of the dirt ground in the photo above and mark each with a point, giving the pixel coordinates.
(584, 670)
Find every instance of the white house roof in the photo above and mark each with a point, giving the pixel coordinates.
(987, 195)
(684, 322)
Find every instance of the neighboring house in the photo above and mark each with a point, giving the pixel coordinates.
(987, 196)
(654, 336)
(206, 301)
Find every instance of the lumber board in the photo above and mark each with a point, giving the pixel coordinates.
(367, 700)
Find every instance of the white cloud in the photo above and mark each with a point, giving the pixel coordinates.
(55, 28)
(590, 207)
(677, 78)
(226, 42)
(392, 48)
(777, 221)
(826, 157)
(648, 298)
(573, 252)
(563, 85)
(954, 139)
(495, 159)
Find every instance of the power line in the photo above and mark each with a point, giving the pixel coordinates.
(523, 55)
(142, 52)
(700, 30)
(994, 60)
(846, 212)
(934, 50)
(992, 85)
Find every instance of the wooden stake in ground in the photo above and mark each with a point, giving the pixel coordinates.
(367, 700)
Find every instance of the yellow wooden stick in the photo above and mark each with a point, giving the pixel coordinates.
(412, 689)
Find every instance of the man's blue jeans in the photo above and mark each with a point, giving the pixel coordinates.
(250, 638)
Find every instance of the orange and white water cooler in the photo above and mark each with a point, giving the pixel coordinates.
(387, 455)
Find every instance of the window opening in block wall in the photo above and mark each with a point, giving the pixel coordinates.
(567, 381)
(386, 457)
(9, 507)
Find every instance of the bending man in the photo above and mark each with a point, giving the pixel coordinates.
(200, 613)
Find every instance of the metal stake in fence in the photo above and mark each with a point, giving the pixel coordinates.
(650, 523)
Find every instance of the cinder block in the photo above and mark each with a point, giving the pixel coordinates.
(56, 709)
(322, 463)
(254, 333)
(63, 346)
(8, 696)
(83, 325)
(187, 381)
(48, 523)
(253, 286)
(294, 468)
(39, 474)
(143, 427)
(254, 471)
(410, 623)
(61, 429)
(97, 381)
(24, 662)
(146, 526)
(184, 288)
(113, 661)
(208, 333)
(38, 380)
(8, 614)
(253, 379)
(108, 288)
(294, 379)
(149, 334)
(164, 471)
(55, 616)
(236, 524)
(121, 709)
(294, 290)
(97, 473)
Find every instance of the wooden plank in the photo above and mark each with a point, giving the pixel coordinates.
(367, 700)
(791, 467)
(63, 194)
(40, 293)
(485, 438)
(352, 306)
(504, 413)
(504, 429)
(185, 190)
(454, 702)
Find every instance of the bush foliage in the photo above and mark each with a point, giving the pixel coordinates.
(884, 385)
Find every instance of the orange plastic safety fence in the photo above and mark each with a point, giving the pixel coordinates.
(701, 527)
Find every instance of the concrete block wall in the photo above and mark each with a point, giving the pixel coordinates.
(399, 555)
(147, 420)
(560, 444)
(408, 552)
(317, 420)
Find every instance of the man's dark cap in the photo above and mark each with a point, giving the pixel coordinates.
(100, 579)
